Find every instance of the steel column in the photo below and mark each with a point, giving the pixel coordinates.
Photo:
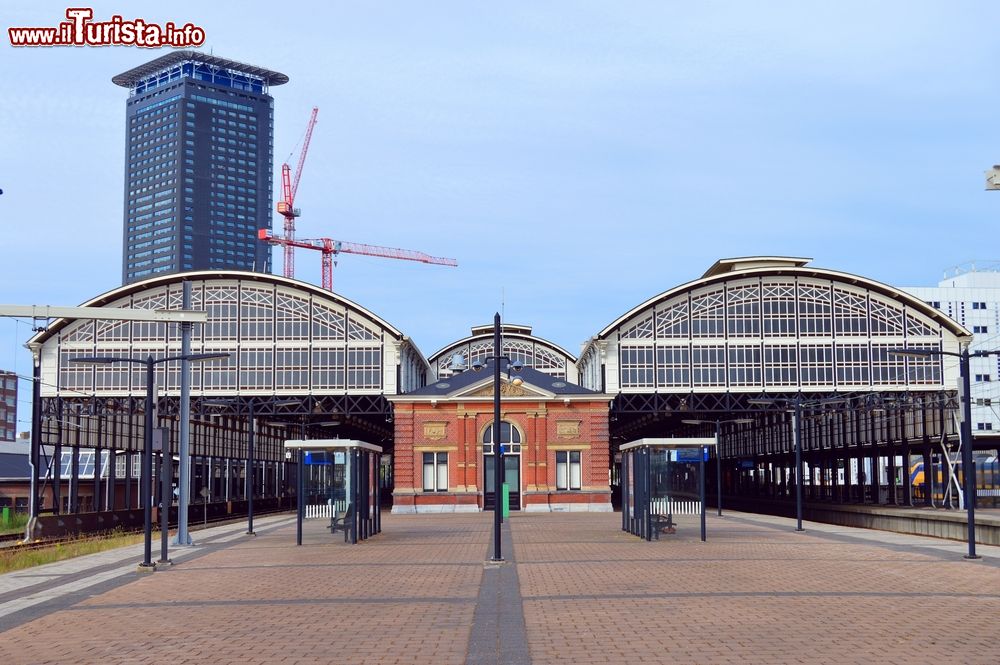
(968, 462)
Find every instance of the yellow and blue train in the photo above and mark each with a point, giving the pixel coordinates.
(987, 477)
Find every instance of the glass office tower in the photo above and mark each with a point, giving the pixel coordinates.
(198, 165)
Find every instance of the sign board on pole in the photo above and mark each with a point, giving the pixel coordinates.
(161, 439)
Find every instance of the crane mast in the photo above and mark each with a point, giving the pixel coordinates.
(286, 207)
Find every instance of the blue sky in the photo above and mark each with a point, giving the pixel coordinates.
(576, 157)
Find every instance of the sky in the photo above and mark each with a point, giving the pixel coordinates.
(575, 157)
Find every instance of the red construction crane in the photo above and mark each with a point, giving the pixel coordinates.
(330, 248)
(286, 207)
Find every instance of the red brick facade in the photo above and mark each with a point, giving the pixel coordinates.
(456, 425)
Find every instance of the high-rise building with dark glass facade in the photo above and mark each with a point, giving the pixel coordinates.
(198, 165)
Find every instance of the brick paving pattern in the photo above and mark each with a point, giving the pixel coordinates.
(404, 596)
(756, 592)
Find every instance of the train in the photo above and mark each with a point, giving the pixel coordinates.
(987, 478)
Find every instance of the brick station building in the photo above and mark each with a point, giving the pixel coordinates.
(554, 433)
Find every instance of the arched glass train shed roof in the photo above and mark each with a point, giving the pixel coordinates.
(299, 355)
(758, 327)
(765, 315)
(518, 344)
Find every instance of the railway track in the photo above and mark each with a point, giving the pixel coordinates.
(10, 542)
(10, 538)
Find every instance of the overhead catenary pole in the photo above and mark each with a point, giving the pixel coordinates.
(56, 462)
(964, 430)
(968, 462)
(794, 406)
(147, 472)
(36, 436)
(718, 450)
(90, 313)
(147, 459)
(184, 446)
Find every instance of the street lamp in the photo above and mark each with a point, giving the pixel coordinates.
(965, 431)
(718, 457)
(250, 477)
(497, 447)
(794, 406)
(147, 454)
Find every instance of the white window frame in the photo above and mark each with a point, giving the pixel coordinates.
(434, 476)
(569, 472)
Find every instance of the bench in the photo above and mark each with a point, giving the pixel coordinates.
(342, 521)
(661, 524)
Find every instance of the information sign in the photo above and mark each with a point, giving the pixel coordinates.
(688, 455)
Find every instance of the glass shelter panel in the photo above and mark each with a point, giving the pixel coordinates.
(338, 490)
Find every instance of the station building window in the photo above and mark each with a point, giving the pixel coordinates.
(568, 470)
(435, 472)
(673, 366)
(779, 309)
(780, 367)
(708, 365)
(743, 311)
(508, 435)
(637, 367)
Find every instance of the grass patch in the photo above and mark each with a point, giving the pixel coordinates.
(18, 521)
(13, 559)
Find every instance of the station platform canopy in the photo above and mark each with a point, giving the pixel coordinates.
(669, 443)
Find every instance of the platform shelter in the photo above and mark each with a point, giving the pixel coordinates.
(662, 478)
(338, 481)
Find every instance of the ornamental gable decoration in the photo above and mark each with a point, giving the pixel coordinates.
(507, 389)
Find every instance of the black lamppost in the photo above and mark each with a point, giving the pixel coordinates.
(147, 454)
(965, 431)
(794, 406)
(251, 475)
(251, 461)
(718, 456)
(498, 460)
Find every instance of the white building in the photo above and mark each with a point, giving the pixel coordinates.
(972, 297)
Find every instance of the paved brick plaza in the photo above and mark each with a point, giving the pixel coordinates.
(756, 592)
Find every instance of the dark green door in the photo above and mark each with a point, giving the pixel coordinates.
(512, 476)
